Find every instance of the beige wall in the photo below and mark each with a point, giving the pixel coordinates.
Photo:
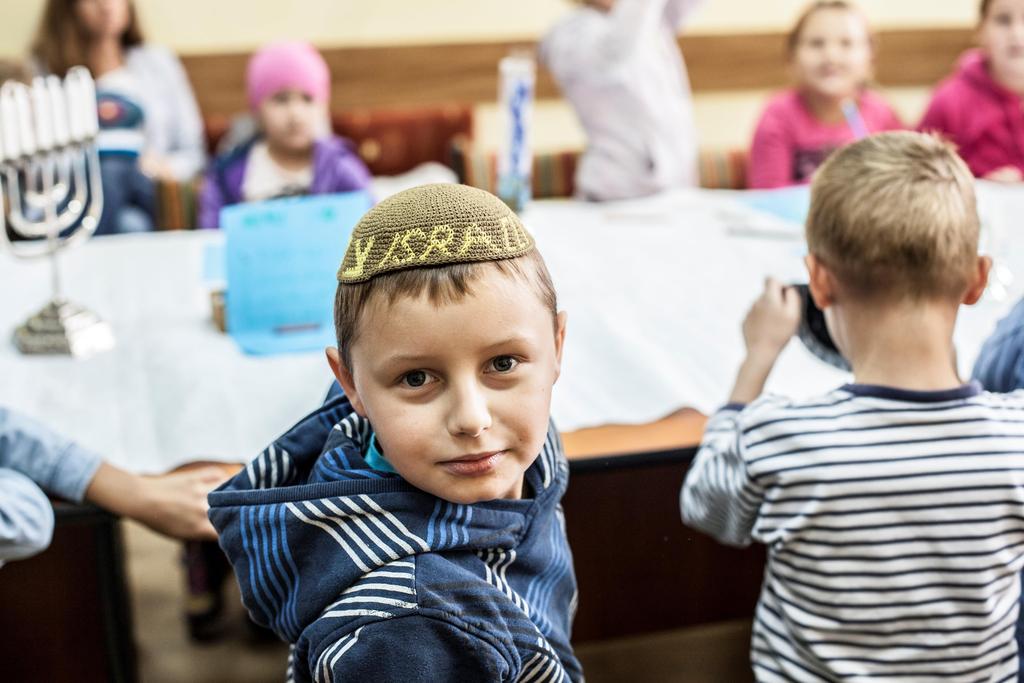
(723, 119)
(229, 25)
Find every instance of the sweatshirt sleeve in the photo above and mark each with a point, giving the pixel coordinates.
(718, 496)
(410, 648)
(678, 12)
(351, 174)
(211, 201)
(187, 153)
(771, 154)
(1000, 363)
(26, 517)
(58, 465)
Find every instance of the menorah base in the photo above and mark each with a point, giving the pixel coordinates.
(62, 328)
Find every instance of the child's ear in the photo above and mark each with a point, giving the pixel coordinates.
(560, 321)
(820, 282)
(979, 280)
(344, 377)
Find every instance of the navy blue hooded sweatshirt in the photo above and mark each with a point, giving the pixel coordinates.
(371, 578)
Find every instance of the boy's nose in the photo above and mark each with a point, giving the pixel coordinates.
(469, 414)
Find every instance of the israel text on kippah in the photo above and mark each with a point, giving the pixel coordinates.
(433, 225)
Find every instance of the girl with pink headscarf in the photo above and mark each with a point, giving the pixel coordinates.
(294, 153)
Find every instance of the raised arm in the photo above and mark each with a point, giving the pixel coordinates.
(187, 154)
(677, 12)
(589, 48)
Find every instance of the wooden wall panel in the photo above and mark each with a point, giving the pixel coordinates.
(373, 77)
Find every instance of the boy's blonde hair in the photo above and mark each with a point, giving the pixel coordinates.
(894, 216)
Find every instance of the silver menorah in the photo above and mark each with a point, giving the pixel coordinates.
(50, 183)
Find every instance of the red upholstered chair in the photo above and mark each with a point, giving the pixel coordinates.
(393, 141)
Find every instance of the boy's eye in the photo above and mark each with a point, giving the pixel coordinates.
(504, 364)
(416, 378)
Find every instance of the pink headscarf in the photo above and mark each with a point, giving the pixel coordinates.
(287, 65)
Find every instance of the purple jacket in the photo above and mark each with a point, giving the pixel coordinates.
(336, 168)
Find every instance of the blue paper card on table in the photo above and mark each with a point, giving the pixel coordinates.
(788, 203)
(282, 259)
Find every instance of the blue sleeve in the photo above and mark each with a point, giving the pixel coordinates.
(1000, 363)
(718, 496)
(410, 648)
(26, 517)
(56, 464)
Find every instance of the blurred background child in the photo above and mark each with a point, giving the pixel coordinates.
(831, 56)
(294, 152)
(150, 128)
(618, 64)
(979, 106)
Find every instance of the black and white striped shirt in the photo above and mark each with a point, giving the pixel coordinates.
(894, 522)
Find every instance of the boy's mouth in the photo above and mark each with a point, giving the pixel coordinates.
(473, 464)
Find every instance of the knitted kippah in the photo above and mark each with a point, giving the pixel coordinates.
(433, 225)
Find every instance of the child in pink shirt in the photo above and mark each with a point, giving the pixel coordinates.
(830, 56)
(979, 107)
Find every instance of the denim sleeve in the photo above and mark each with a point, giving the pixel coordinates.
(56, 464)
(26, 517)
(1000, 363)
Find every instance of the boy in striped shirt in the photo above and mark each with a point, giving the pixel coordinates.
(893, 507)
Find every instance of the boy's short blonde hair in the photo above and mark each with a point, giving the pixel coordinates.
(894, 216)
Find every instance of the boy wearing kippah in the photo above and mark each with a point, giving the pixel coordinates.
(893, 507)
(412, 528)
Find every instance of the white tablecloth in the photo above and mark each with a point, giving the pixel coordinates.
(655, 291)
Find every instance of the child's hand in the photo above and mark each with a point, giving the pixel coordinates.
(1005, 174)
(175, 504)
(768, 327)
(172, 504)
(772, 320)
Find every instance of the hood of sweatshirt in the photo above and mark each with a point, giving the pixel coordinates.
(973, 68)
(309, 517)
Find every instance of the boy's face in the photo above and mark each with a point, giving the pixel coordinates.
(833, 54)
(459, 394)
(1002, 36)
(290, 120)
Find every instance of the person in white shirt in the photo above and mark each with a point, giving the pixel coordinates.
(150, 125)
(619, 65)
